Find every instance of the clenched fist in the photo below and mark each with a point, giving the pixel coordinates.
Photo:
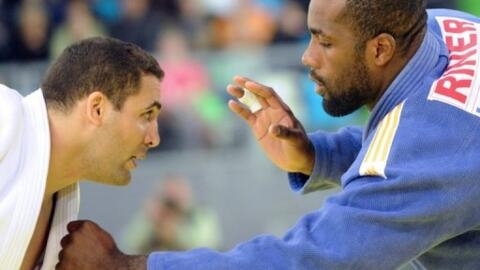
(87, 246)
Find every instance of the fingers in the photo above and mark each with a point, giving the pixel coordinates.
(60, 255)
(235, 90)
(246, 98)
(274, 110)
(261, 91)
(67, 239)
(266, 95)
(241, 110)
(74, 225)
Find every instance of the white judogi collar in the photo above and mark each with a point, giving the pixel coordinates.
(24, 161)
(66, 210)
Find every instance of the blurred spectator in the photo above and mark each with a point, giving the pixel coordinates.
(171, 220)
(193, 20)
(246, 24)
(186, 94)
(31, 35)
(186, 77)
(108, 11)
(138, 24)
(291, 23)
(79, 23)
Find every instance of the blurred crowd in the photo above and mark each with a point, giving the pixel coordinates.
(40, 29)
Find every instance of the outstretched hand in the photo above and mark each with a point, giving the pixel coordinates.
(280, 135)
(87, 246)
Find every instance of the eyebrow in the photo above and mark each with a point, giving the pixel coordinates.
(318, 32)
(155, 104)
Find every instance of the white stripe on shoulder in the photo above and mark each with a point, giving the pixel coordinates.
(375, 159)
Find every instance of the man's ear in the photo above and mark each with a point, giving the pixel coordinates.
(381, 49)
(97, 104)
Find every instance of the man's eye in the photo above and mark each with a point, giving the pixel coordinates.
(325, 44)
(148, 115)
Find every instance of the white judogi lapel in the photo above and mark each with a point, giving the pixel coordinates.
(66, 210)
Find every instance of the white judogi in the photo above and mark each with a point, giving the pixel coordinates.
(24, 161)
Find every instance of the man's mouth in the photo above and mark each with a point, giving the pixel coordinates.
(132, 162)
(320, 87)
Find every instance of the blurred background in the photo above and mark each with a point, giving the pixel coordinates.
(207, 184)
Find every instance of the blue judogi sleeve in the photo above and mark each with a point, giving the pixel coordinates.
(334, 154)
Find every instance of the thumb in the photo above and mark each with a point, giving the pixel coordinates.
(283, 132)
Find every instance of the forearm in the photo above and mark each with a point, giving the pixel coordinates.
(335, 152)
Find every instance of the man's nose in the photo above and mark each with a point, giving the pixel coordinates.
(307, 58)
(152, 139)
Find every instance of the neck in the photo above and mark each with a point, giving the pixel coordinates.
(64, 168)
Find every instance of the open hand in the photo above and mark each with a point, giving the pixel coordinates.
(280, 135)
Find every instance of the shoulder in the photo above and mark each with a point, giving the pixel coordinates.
(10, 94)
(431, 129)
(11, 111)
(10, 103)
(421, 136)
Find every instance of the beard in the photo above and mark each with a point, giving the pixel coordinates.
(349, 91)
(106, 157)
(108, 169)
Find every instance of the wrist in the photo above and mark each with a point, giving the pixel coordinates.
(133, 262)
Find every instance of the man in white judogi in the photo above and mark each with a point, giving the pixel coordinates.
(95, 115)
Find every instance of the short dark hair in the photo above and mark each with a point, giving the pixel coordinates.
(103, 64)
(403, 19)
